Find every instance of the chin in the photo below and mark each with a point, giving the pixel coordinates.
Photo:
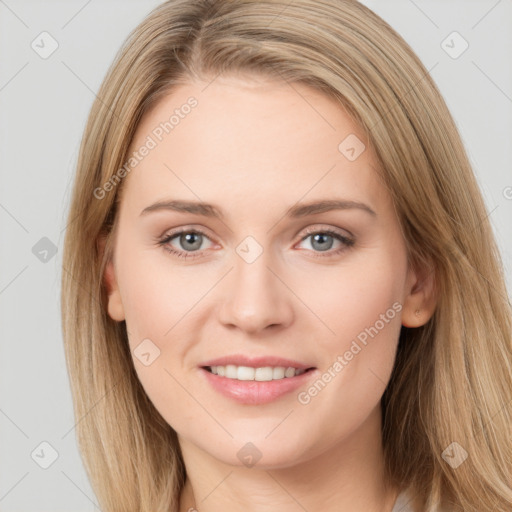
(256, 451)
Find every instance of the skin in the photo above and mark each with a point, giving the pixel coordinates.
(254, 148)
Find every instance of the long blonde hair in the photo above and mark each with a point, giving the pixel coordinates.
(452, 379)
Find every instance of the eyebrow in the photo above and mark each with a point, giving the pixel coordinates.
(300, 210)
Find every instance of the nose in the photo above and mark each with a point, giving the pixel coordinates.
(256, 298)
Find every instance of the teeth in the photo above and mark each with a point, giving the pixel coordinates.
(290, 372)
(265, 373)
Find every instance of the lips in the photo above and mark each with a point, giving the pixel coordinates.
(255, 380)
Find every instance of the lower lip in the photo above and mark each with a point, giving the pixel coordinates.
(252, 392)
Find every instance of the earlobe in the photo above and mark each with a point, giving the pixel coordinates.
(114, 303)
(420, 301)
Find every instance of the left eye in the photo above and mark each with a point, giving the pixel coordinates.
(322, 241)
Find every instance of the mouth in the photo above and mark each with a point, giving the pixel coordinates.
(260, 374)
(256, 381)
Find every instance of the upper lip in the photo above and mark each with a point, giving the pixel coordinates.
(256, 362)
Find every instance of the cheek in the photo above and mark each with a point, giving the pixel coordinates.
(361, 306)
(360, 296)
(161, 303)
(156, 293)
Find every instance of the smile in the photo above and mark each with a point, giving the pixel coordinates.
(256, 380)
(265, 373)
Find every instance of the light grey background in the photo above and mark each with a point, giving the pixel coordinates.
(44, 104)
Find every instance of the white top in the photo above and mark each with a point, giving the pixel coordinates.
(402, 503)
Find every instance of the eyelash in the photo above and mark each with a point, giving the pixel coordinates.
(346, 241)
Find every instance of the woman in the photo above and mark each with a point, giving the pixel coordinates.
(256, 368)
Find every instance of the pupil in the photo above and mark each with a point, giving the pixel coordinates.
(321, 237)
(189, 238)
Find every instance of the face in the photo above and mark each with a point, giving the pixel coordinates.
(261, 284)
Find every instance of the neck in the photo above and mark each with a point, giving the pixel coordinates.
(348, 477)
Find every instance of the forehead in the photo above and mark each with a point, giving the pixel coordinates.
(250, 137)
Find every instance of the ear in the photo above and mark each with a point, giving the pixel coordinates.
(114, 304)
(420, 299)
